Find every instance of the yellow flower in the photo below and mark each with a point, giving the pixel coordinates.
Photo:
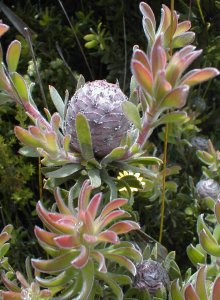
(130, 173)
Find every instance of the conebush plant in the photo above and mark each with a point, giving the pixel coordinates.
(95, 155)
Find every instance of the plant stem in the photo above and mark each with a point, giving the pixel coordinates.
(40, 180)
(165, 144)
(163, 183)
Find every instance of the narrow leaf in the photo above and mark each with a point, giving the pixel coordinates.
(197, 76)
(20, 86)
(216, 289)
(175, 291)
(64, 171)
(13, 55)
(122, 261)
(131, 112)
(142, 75)
(94, 176)
(62, 279)
(124, 227)
(208, 245)
(54, 265)
(183, 39)
(176, 98)
(84, 137)
(195, 256)
(190, 293)
(57, 101)
(201, 284)
(175, 117)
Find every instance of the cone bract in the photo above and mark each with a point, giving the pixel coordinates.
(100, 102)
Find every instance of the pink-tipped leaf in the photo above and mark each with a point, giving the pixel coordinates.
(108, 236)
(94, 205)
(142, 75)
(99, 257)
(82, 259)
(66, 241)
(44, 236)
(124, 227)
(147, 12)
(199, 75)
(114, 204)
(190, 293)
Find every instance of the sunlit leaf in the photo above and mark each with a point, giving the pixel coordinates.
(199, 75)
(190, 293)
(208, 244)
(20, 86)
(216, 289)
(142, 75)
(57, 100)
(201, 284)
(131, 112)
(64, 171)
(174, 117)
(13, 55)
(175, 291)
(195, 255)
(84, 137)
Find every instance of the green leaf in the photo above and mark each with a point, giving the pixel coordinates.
(147, 160)
(195, 255)
(87, 280)
(84, 137)
(62, 279)
(114, 155)
(80, 83)
(176, 98)
(94, 176)
(208, 244)
(205, 157)
(217, 211)
(20, 86)
(4, 249)
(56, 264)
(174, 117)
(13, 55)
(201, 283)
(131, 112)
(57, 101)
(202, 225)
(110, 282)
(111, 184)
(64, 171)
(175, 291)
(28, 151)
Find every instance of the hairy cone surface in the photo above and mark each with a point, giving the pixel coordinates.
(100, 102)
